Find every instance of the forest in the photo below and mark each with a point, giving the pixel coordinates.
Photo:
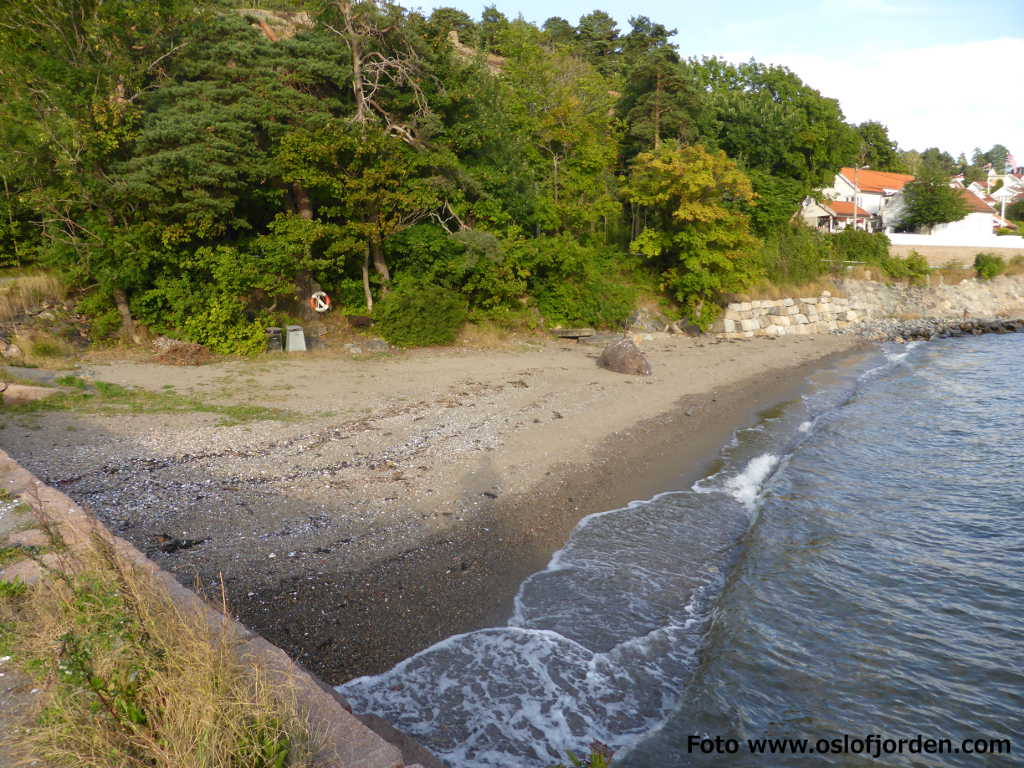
(190, 166)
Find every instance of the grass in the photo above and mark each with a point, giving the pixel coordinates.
(784, 291)
(110, 399)
(129, 679)
(26, 291)
(44, 350)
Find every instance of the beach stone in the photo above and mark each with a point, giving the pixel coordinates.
(646, 320)
(33, 537)
(28, 571)
(787, 302)
(11, 351)
(624, 356)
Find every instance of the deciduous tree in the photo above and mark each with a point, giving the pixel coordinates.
(694, 228)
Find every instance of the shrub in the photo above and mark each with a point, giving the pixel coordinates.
(795, 255)
(223, 328)
(419, 314)
(873, 249)
(988, 265)
(594, 300)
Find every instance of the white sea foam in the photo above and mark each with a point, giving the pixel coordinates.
(745, 486)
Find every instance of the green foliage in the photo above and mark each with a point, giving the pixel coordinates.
(795, 254)
(878, 151)
(11, 590)
(929, 200)
(222, 328)
(766, 118)
(695, 231)
(873, 249)
(989, 265)
(859, 246)
(419, 314)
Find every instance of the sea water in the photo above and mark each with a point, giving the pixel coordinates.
(852, 568)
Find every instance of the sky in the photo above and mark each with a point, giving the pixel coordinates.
(943, 73)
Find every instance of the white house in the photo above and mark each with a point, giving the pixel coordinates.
(867, 190)
(977, 225)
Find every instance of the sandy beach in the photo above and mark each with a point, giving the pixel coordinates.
(407, 494)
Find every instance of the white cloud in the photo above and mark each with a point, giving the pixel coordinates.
(955, 97)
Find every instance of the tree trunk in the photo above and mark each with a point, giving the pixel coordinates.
(355, 47)
(128, 334)
(303, 205)
(657, 110)
(380, 265)
(366, 281)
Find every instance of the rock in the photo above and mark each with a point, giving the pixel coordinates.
(573, 333)
(600, 339)
(359, 321)
(33, 537)
(376, 345)
(646, 320)
(27, 571)
(11, 351)
(624, 356)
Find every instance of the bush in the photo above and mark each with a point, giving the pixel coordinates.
(795, 255)
(595, 300)
(873, 249)
(417, 314)
(988, 265)
(855, 245)
(223, 328)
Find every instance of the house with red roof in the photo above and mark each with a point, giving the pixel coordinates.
(862, 189)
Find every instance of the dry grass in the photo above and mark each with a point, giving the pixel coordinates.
(785, 291)
(26, 292)
(131, 680)
(1015, 266)
(45, 350)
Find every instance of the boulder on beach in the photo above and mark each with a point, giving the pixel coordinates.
(624, 356)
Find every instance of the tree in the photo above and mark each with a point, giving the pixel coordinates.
(364, 181)
(974, 173)
(644, 36)
(660, 100)
(694, 229)
(597, 39)
(766, 118)
(938, 161)
(998, 156)
(878, 150)
(73, 72)
(445, 20)
(387, 74)
(929, 200)
(558, 31)
(493, 24)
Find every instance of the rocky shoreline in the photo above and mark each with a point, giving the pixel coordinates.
(931, 328)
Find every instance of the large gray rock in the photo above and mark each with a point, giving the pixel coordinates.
(624, 356)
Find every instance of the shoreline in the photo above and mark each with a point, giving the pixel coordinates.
(357, 540)
(527, 529)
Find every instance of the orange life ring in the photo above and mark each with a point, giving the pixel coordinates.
(320, 302)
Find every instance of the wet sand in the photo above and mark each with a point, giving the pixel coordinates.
(411, 493)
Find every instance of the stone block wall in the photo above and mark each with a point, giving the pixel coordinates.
(866, 301)
(786, 317)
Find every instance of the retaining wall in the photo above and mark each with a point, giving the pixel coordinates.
(865, 300)
(347, 742)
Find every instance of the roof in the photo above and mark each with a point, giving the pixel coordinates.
(974, 203)
(845, 208)
(875, 181)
